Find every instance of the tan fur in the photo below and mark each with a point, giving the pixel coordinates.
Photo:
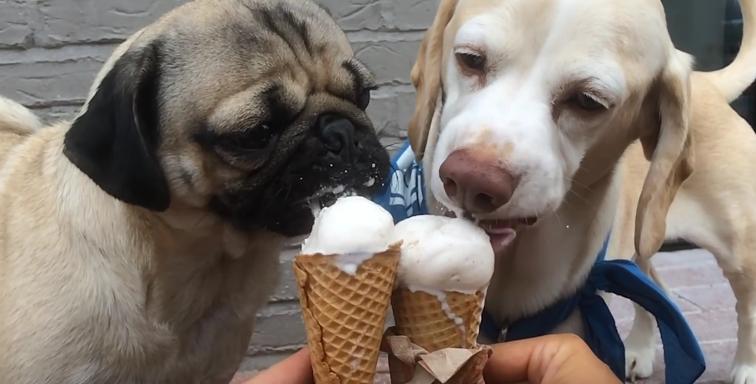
(426, 77)
(713, 209)
(93, 290)
(79, 265)
(699, 184)
(16, 122)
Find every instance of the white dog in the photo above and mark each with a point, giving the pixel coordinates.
(525, 109)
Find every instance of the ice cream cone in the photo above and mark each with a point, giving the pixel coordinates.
(435, 322)
(344, 314)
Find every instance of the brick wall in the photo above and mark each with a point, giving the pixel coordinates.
(50, 51)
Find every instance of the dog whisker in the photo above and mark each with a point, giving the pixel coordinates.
(558, 218)
(577, 196)
(577, 183)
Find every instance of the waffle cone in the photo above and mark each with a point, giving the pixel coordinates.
(433, 325)
(345, 314)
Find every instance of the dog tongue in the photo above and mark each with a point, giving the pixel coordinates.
(501, 232)
(502, 239)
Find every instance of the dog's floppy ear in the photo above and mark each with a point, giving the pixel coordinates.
(426, 77)
(114, 141)
(668, 147)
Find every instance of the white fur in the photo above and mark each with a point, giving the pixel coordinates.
(512, 113)
(571, 169)
(514, 108)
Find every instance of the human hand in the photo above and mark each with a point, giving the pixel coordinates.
(296, 369)
(555, 359)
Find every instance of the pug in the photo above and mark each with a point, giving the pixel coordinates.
(138, 241)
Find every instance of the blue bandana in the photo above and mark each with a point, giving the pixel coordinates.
(403, 196)
(682, 354)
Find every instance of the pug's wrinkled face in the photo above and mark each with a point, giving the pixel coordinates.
(252, 109)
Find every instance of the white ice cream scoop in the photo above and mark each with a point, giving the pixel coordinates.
(444, 254)
(353, 229)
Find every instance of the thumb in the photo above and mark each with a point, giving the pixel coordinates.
(555, 359)
(296, 369)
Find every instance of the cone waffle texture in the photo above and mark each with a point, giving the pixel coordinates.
(430, 323)
(344, 314)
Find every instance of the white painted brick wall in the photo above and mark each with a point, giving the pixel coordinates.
(50, 51)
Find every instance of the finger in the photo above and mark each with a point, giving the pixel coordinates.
(555, 359)
(510, 362)
(296, 369)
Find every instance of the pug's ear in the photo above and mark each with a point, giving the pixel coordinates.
(115, 140)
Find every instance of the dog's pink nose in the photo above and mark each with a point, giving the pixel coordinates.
(475, 182)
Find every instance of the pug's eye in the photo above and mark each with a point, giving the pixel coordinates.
(471, 62)
(257, 138)
(262, 135)
(363, 101)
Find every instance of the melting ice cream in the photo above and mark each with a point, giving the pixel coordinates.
(352, 230)
(443, 254)
(444, 271)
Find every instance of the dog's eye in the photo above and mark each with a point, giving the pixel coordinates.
(588, 102)
(471, 61)
(262, 135)
(254, 139)
(363, 101)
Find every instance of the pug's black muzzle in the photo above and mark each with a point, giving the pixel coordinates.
(334, 158)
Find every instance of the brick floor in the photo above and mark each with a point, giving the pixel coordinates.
(703, 294)
(697, 285)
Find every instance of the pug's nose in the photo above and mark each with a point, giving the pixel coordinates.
(476, 182)
(337, 135)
